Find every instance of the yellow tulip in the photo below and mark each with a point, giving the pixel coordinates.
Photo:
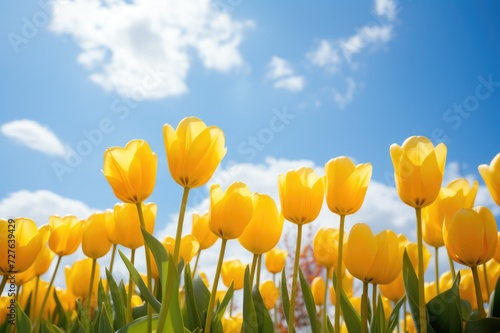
(269, 293)
(347, 287)
(356, 303)
(233, 271)
(188, 249)
(497, 252)
(204, 278)
(230, 212)
(29, 290)
(66, 234)
(136, 301)
(301, 194)
(232, 324)
(493, 273)
(346, 185)
(95, 242)
(472, 236)
(7, 309)
(430, 291)
(491, 176)
(20, 243)
(109, 217)
(264, 229)
(318, 290)
(325, 247)
(418, 170)
(193, 151)
(128, 226)
(43, 260)
(373, 259)
(131, 171)
(78, 278)
(275, 260)
(202, 232)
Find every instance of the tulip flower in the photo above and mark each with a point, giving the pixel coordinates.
(201, 230)
(471, 240)
(347, 287)
(496, 256)
(109, 217)
(301, 194)
(95, 242)
(78, 277)
(4, 309)
(489, 273)
(232, 324)
(128, 225)
(275, 260)
(36, 292)
(269, 293)
(233, 271)
(131, 171)
(188, 249)
(491, 177)
(318, 290)
(230, 213)
(418, 173)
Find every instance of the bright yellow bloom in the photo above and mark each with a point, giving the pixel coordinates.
(29, 289)
(204, 278)
(43, 260)
(188, 248)
(301, 194)
(497, 252)
(275, 260)
(269, 293)
(230, 212)
(347, 287)
(20, 242)
(346, 185)
(95, 242)
(232, 324)
(374, 259)
(264, 229)
(66, 234)
(491, 176)
(472, 236)
(318, 290)
(78, 278)
(493, 273)
(193, 151)
(201, 230)
(110, 222)
(233, 271)
(131, 171)
(128, 225)
(136, 301)
(325, 247)
(430, 291)
(418, 170)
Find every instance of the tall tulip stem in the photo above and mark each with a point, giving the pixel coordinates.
(325, 304)
(479, 295)
(291, 314)
(180, 223)
(253, 269)
(196, 263)
(275, 324)
(486, 284)
(436, 268)
(91, 286)
(374, 298)
(112, 262)
(364, 308)
(46, 297)
(421, 295)
(148, 264)
(338, 282)
(213, 294)
(452, 268)
(130, 289)
(259, 264)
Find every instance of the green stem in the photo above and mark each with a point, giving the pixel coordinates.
(486, 284)
(338, 282)
(436, 268)
(148, 264)
(91, 286)
(231, 307)
(364, 308)
(325, 305)
(275, 324)
(213, 294)
(180, 223)
(452, 268)
(291, 314)
(45, 298)
(404, 317)
(156, 287)
(374, 299)
(479, 295)
(421, 294)
(130, 289)
(254, 266)
(3, 283)
(259, 263)
(113, 253)
(196, 263)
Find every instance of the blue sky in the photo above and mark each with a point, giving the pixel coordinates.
(290, 85)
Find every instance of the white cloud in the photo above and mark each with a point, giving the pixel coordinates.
(283, 74)
(386, 9)
(343, 99)
(366, 36)
(34, 136)
(142, 48)
(326, 55)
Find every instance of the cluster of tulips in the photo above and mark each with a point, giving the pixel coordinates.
(171, 296)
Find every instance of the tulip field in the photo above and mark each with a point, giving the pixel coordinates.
(173, 295)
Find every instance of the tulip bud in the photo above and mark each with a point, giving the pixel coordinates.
(491, 176)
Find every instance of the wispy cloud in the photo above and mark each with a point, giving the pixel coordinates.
(144, 46)
(342, 99)
(34, 136)
(283, 75)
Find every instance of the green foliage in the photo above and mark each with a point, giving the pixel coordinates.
(309, 301)
(351, 316)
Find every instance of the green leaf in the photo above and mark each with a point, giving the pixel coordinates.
(23, 323)
(140, 325)
(159, 254)
(394, 317)
(250, 323)
(192, 313)
(221, 308)
(351, 316)
(378, 320)
(145, 293)
(483, 325)
(104, 321)
(285, 300)
(445, 310)
(103, 298)
(119, 307)
(263, 317)
(83, 316)
(174, 322)
(59, 312)
(309, 301)
(494, 309)
(329, 325)
(201, 297)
